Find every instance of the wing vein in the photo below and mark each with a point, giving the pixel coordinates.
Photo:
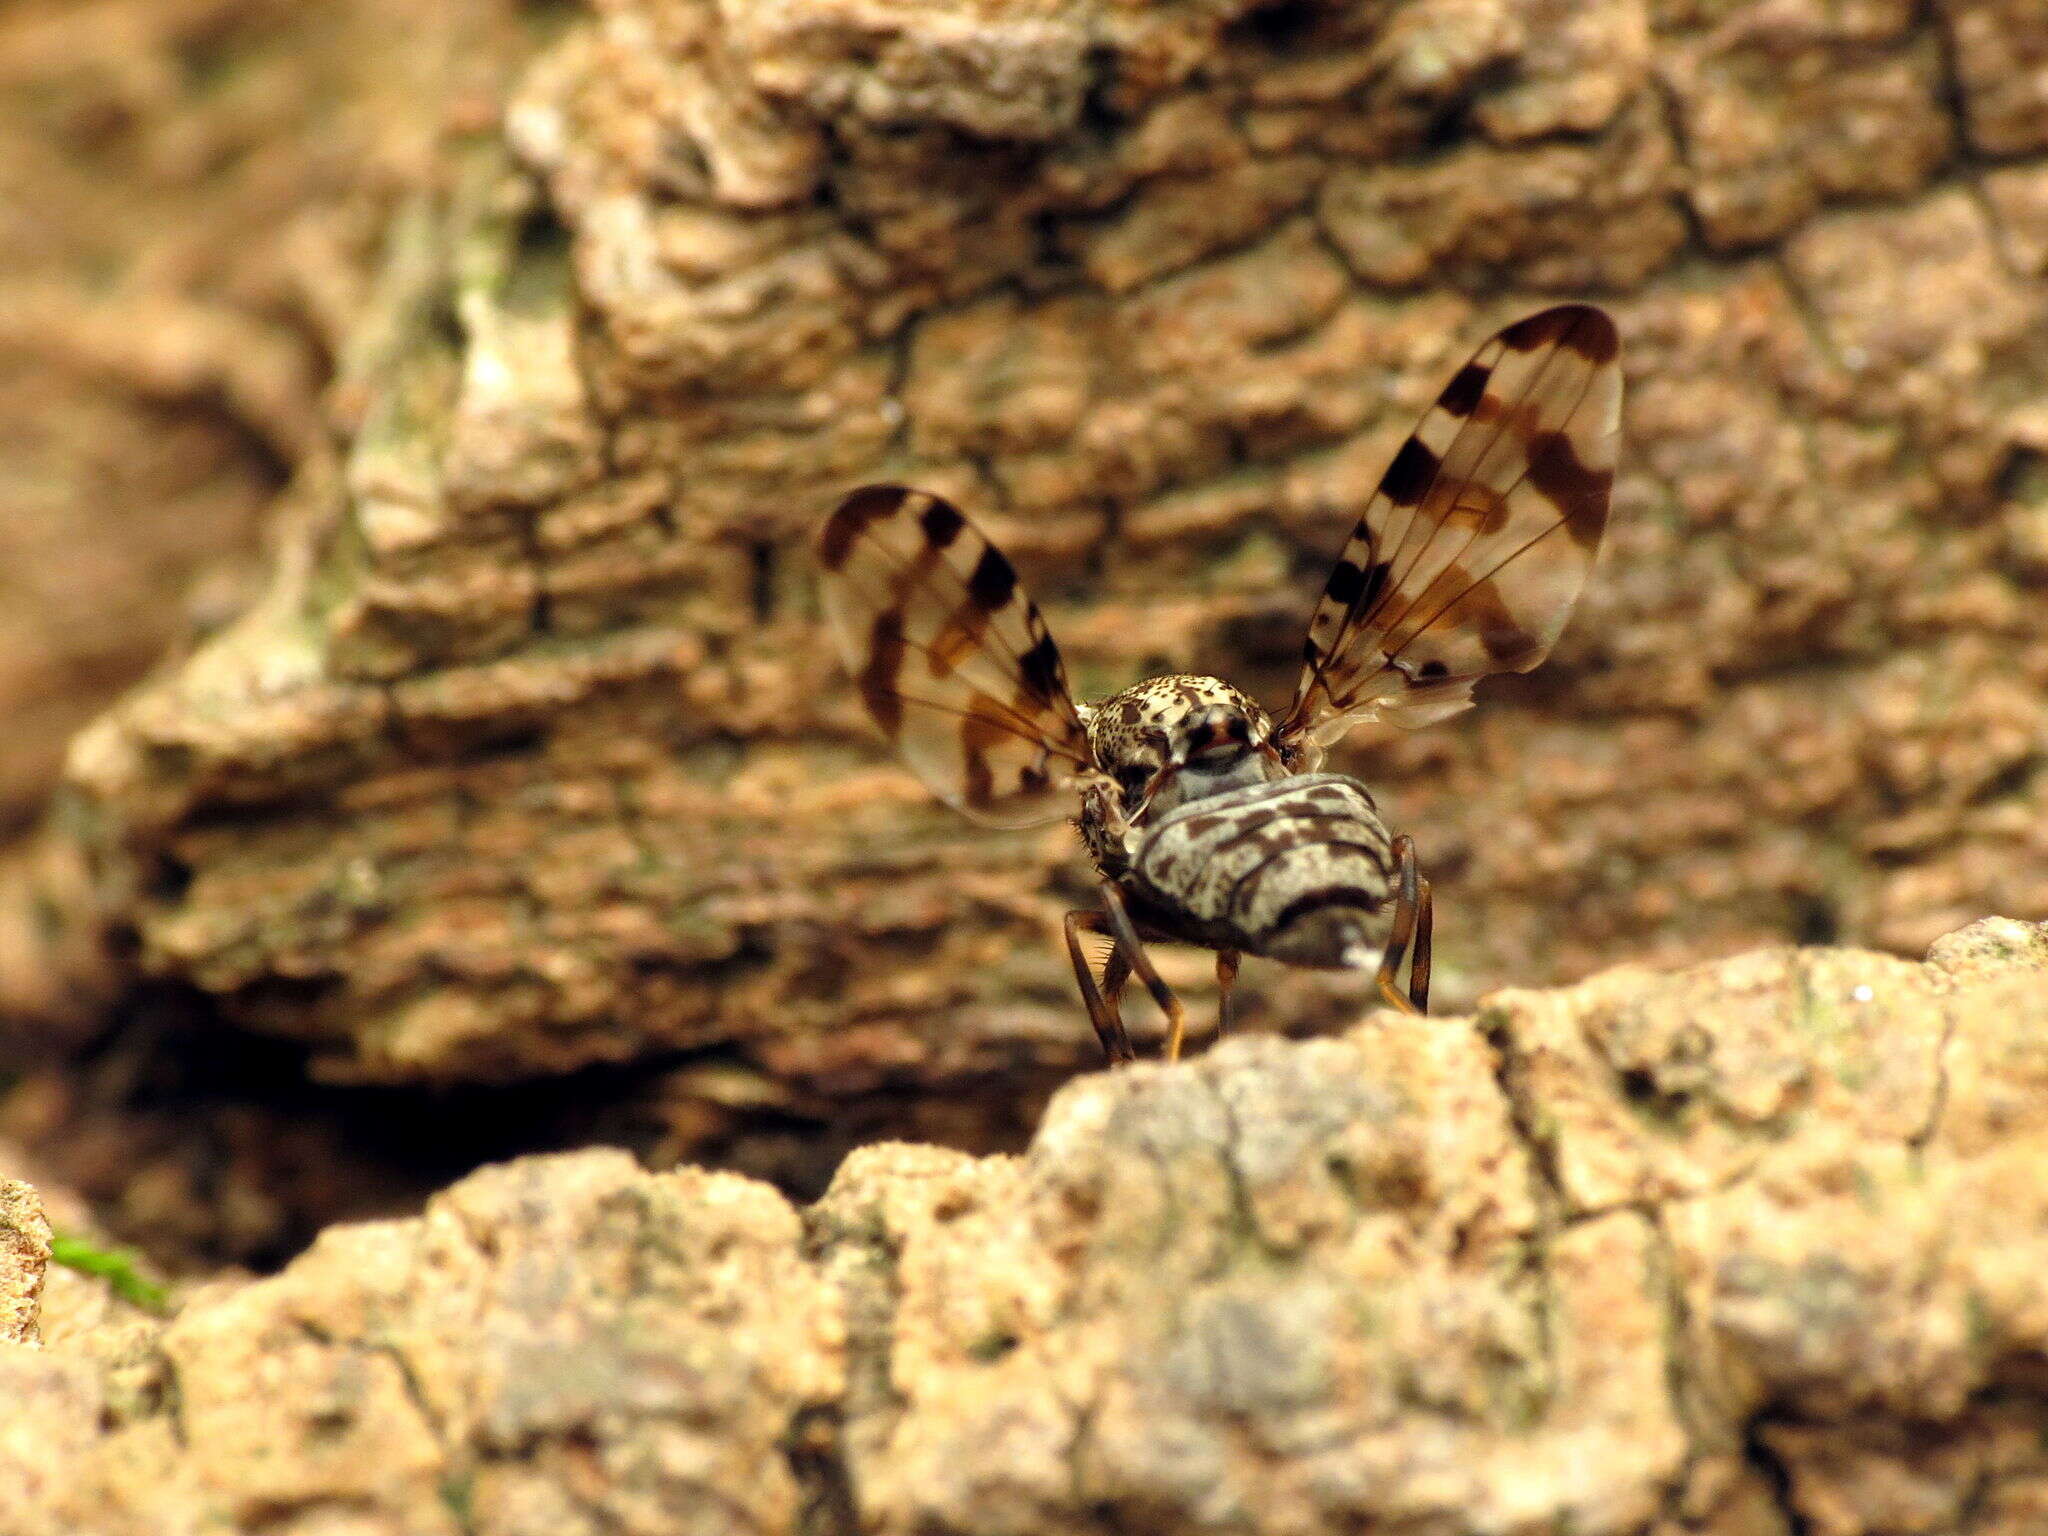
(1475, 477)
(1452, 573)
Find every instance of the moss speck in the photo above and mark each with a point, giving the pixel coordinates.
(116, 1266)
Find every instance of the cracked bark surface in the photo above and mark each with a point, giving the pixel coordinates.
(527, 758)
(1749, 1248)
(193, 194)
(531, 756)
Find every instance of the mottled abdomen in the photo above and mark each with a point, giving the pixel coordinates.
(1300, 870)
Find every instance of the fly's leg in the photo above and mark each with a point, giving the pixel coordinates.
(1411, 903)
(1418, 968)
(1116, 970)
(1226, 974)
(1128, 941)
(1102, 1001)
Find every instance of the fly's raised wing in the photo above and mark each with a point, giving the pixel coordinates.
(1473, 550)
(951, 656)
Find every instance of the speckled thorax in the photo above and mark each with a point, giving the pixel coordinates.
(1166, 743)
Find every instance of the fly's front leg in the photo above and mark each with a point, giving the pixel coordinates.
(1116, 970)
(1102, 1002)
(1413, 919)
(1104, 826)
(1141, 962)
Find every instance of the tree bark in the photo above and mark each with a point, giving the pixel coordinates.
(531, 755)
(1749, 1250)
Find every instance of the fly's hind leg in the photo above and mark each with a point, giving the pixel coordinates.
(1128, 941)
(1418, 968)
(1226, 974)
(1102, 1001)
(1414, 917)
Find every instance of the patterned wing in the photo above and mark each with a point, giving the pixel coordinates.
(1472, 552)
(951, 656)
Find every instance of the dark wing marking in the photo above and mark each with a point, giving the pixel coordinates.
(1470, 555)
(951, 656)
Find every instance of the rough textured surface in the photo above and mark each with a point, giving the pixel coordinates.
(515, 754)
(528, 754)
(24, 1255)
(1752, 1248)
(560, 1345)
(191, 197)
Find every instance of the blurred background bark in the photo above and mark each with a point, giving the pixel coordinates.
(435, 403)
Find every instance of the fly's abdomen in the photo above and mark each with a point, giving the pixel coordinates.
(1300, 870)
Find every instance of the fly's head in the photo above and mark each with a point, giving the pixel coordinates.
(1176, 739)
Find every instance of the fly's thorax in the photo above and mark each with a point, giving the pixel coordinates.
(1173, 740)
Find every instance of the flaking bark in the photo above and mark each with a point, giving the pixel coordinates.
(1751, 1248)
